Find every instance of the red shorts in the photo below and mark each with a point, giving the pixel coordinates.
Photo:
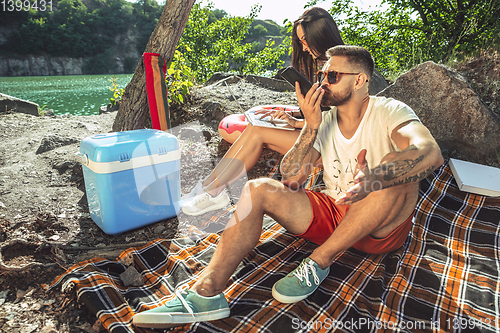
(327, 216)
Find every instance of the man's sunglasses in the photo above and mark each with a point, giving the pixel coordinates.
(332, 76)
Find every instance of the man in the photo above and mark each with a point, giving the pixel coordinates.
(368, 209)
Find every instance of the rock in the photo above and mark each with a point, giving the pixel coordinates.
(3, 296)
(211, 106)
(87, 328)
(63, 166)
(220, 77)
(131, 277)
(40, 65)
(8, 103)
(228, 80)
(109, 108)
(269, 83)
(207, 135)
(215, 109)
(53, 141)
(87, 126)
(194, 133)
(49, 328)
(377, 84)
(446, 104)
(159, 229)
(49, 113)
(28, 328)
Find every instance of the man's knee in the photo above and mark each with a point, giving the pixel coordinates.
(262, 190)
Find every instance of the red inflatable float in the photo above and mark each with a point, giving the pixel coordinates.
(231, 127)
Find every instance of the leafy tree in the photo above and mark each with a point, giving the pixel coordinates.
(268, 58)
(259, 30)
(101, 63)
(211, 47)
(403, 33)
(146, 14)
(215, 15)
(219, 46)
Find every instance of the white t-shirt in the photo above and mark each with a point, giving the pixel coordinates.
(339, 154)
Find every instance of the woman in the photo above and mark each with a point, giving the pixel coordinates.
(313, 33)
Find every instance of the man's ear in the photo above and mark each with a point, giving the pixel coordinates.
(361, 79)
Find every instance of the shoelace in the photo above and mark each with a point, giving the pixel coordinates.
(183, 290)
(302, 272)
(202, 198)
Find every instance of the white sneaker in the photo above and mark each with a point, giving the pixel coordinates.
(204, 202)
(197, 189)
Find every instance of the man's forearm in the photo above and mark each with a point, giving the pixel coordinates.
(410, 165)
(293, 162)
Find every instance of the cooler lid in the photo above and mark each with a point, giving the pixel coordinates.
(127, 145)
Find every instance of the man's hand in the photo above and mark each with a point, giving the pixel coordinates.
(365, 182)
(311, 104)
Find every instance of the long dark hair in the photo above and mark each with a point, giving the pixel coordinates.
(321, 33)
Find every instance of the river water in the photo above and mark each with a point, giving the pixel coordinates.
(73, 94)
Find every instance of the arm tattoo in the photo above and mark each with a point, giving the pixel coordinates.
(415, 178)
(293, 160)
(396, 169)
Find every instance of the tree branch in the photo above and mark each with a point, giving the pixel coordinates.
(419, 8)
(408, 26)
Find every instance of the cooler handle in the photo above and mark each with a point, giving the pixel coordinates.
(82, 158)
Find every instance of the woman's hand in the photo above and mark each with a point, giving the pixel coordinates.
(280, 115)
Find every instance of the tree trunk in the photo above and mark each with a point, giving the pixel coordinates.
(133, 110)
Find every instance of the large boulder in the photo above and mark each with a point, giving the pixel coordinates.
(10, 103)
(450, 109)
(377, 84)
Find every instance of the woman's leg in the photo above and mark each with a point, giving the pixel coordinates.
(245, 152)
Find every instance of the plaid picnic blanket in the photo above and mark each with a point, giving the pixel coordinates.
(445, 278)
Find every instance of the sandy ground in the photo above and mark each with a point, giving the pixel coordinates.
(45, 225)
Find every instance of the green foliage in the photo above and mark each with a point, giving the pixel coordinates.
(117, 91)
(179, 79)
(269, 57)
(210, 47)
(129, 65)
(215, 15)
(101, 64)
(259, 30)
(43, 110)
(146, 14)
(72, 29)
(272, 28)
(403, 33)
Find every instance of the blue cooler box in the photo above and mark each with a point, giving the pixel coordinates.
(132, 178)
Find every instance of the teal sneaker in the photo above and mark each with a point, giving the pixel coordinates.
(300, 283)
(187, 307)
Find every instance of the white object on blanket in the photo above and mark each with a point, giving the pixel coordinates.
(256, 120)
(476, 178)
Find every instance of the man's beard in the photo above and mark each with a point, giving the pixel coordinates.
(336, 99)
